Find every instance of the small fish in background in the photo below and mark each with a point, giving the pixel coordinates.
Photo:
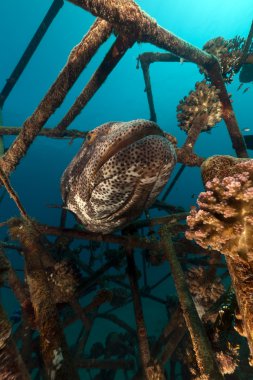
(230, 97)
(239, 87)
(193, 195)
(246, 89)
(246, 129)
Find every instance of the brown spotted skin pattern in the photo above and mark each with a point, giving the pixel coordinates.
(118, 172)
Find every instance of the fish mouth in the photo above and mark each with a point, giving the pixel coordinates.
(151, 129)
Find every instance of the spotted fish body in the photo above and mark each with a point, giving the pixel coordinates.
(118, 172)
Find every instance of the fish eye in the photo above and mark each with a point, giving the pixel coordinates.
(90, 137)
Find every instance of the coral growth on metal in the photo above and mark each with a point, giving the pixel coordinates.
(205, 290)
(228, 53)
(224, 220)
(203, 100)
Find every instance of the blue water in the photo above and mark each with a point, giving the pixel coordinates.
(122, 97)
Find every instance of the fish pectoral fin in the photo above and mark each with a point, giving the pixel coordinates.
(135, 203)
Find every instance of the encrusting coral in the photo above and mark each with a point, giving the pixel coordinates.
(228, 53)
(228, 359)
(53, 346)
(63, 281)
(204, 100)
(204, 289)
(224, 222)
(11, 362)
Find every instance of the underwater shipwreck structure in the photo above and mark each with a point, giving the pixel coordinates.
(209, 329)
